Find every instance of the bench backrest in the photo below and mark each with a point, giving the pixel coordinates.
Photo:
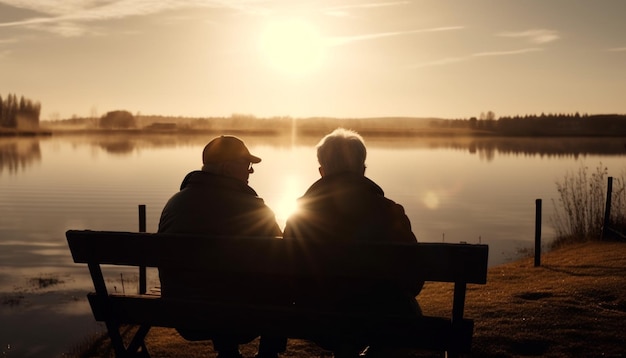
(459, 263)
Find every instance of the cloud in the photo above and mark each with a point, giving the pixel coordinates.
(8, 41)
(64, 28)
(336, 41)
(537, 36)
(507, 53)
(367, 6)
(93, 10)
(450, 60)
(617, 49)
(65, 16)
(441, 62)
(342, 10)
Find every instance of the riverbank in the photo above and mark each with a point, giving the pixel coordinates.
(4, 132)
(574, 304)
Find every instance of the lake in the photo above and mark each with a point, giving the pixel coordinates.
(477, 190)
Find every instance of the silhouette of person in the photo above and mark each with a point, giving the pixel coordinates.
(218, 201)
(345, 206)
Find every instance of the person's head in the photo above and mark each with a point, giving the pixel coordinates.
(342, 151)
(228, 156)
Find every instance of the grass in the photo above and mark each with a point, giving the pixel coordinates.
(574, 304)
(580, 210)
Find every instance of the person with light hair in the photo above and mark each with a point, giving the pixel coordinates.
(342, 151)
(346, 206)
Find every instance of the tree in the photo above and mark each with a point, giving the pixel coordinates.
(473, 123)
(16, 113)
(118, 119)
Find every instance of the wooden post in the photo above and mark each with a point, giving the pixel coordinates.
(537, 232)
(142, 269)
(607, 209)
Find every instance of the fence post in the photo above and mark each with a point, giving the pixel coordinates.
(537, 232)
(607, 209)
(142, 269)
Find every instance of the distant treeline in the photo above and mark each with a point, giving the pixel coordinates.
(546, 125)
(19, 113)
(594, 125)
(487, 124)
(241, 122)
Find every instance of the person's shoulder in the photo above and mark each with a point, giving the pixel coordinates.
(373, 186)
(194, 177)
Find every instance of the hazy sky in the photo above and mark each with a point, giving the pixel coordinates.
(340, 58)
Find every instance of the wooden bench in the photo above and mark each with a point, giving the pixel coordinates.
(285, 259)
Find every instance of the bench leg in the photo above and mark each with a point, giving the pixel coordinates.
(135, 349)
(451, 354)
(138, 342)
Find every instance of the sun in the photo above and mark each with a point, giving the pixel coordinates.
(292, 46)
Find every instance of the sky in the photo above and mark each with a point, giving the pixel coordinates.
(335, 58)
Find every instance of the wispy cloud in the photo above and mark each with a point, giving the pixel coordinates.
(617, 49)
(65, 17)
(536, 36)
(450, 60)
(335, 41)
(8, 41)
(507, 53)
(368, 5)
(343, 10)
(441, 62)
(94, 10)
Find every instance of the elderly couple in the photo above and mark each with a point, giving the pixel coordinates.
(343, 205)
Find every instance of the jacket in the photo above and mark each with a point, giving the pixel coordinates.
(344, 208)
(217, 205)
(221, 206)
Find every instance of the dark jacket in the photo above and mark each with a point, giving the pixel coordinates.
(348, 207)
(217, 205)
(344, 208)
(214, 205)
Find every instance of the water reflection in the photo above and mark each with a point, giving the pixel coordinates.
(21, 153)
(18, 153)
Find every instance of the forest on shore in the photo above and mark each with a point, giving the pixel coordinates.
(573, 125)
(20, 115)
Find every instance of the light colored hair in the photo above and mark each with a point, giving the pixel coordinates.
(342, 151)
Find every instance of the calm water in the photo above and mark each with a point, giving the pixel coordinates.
(453, 189)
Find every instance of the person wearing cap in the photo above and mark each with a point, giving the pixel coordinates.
(346, 206)
(218, 201)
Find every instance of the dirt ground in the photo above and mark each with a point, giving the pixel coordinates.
(573, 305)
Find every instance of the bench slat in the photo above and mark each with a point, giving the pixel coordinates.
(274, 256)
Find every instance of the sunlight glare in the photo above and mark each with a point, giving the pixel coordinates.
(287, 202)
(431, 200)
(292, 46)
